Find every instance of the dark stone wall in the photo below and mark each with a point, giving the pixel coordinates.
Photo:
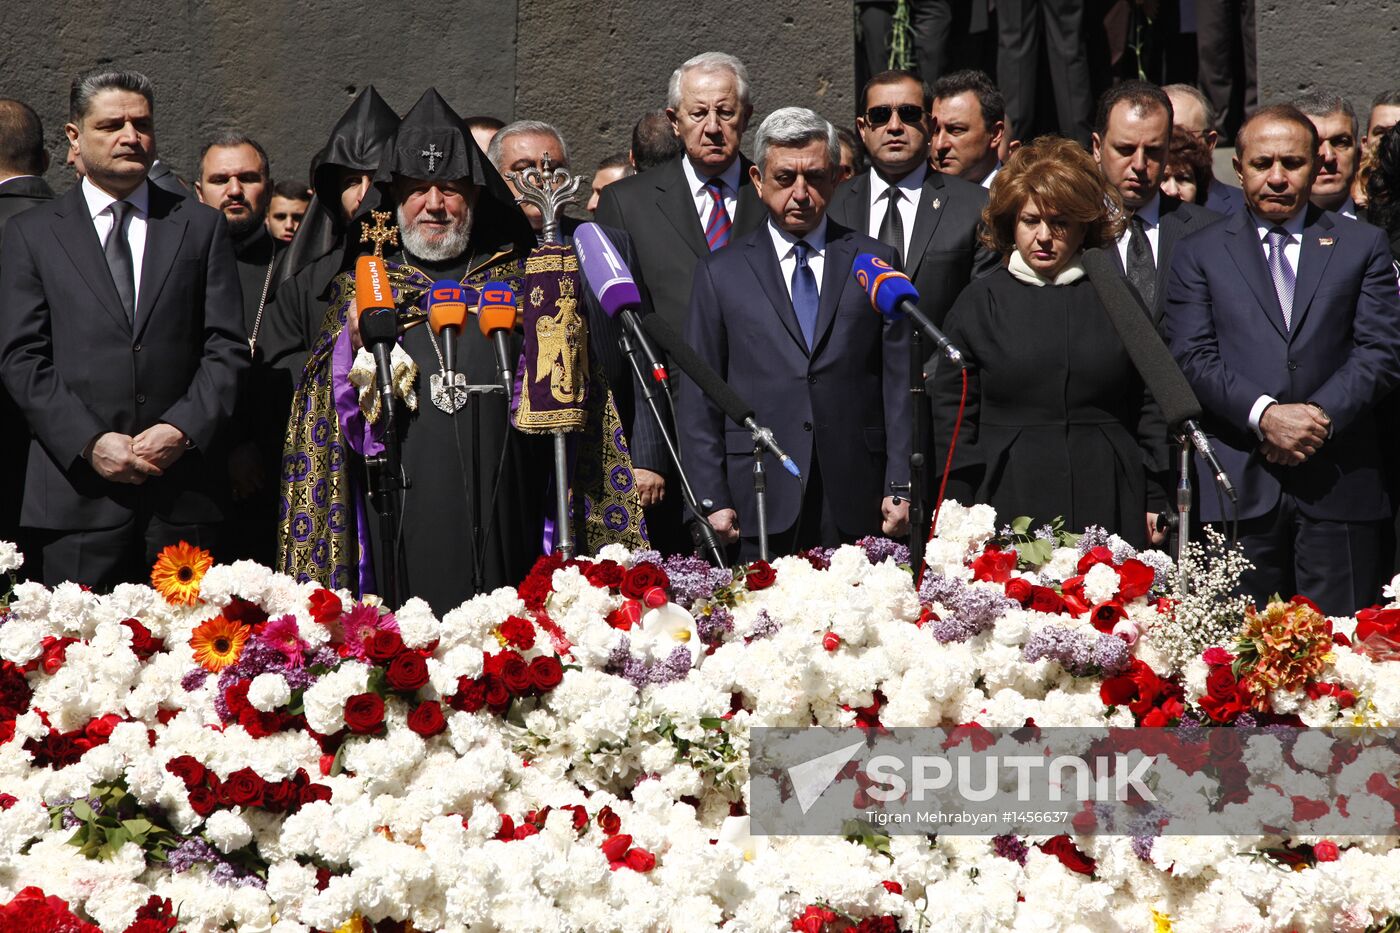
(284, 70)
(1348, 46)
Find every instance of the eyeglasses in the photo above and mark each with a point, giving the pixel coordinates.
(880, 114)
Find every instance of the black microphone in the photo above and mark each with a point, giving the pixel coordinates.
(894, 296)
(715, 388)
(379, 326)
(1154, 362)
(615, 290)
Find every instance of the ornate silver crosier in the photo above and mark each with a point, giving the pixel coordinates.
(549, 188)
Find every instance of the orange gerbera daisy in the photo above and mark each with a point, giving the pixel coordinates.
(218, 642)
(178, 572)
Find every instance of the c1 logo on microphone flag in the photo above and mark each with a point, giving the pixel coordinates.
(448, 292)
(863, 271)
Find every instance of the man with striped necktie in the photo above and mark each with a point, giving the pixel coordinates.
(680, 212)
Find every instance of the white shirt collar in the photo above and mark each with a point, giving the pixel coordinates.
(912, 182)
(991, 176)
(785, 242)
(1293, 225)
(99, 200)
(697, 182)
(10, 178)
(1151, 212)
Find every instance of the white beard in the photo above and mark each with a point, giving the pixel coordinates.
(447, 246)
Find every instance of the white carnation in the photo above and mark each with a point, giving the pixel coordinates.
(269, 691)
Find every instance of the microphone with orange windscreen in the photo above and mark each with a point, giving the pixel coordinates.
(495, 314)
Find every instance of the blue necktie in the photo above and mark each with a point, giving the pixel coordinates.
(804, 294)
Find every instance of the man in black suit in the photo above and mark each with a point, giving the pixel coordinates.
(780, 310)
(1286, 321)
(933, 227)
(121, 340)
(23, 162)
(680, 212)
(1132, 133)
(1192, 112)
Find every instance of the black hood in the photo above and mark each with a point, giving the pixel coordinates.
(357, 142)
(434, 144)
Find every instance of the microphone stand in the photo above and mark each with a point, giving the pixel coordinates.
(760, 495)
(1183, 513)
(476, 396)
(707, 532)
(388, 482)
(918, 392)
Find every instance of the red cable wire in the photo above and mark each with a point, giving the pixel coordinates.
(947, 465)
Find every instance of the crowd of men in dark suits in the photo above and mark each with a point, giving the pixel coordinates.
(127, 355)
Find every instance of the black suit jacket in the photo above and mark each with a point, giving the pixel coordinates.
(77, 368)
(1342, 352)
(657, 211)
(944, 252)
(162, 177)
(20, 194)
(846, 401)
(1176, 221)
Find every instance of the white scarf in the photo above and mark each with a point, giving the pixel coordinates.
(1023, 272)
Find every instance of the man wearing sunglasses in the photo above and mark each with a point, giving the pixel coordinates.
(930, 218)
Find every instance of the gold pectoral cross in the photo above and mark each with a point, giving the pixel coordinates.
(382, 232)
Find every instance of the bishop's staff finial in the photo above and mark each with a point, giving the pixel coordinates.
(549, 188)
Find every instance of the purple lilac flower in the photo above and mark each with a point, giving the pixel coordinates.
(619, 656)
(878, 548)
(1246, 721)
(675, 666)
(193, 851)
(1142, 847)
(1045, 533)
(764, 626)
(1120, 549)
(1093, 537)
(1111, 655)
(231, 876)
(258, 657)
(1162, 568)
(714, 625)
(647, 557)
(1010, 848)
(193, 679)
(969, 610)
(693, 579)
(323, 656)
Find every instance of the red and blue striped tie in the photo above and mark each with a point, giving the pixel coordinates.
(718, 227)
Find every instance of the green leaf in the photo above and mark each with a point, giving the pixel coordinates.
(1021, 524)
(82, 811)
(711, 722)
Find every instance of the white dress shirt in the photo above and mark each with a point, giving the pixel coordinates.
(991, 176)
(911, 186)
(1151, 214)
(785, 245)
(99, 205)
(1292, 251)
(700, 190)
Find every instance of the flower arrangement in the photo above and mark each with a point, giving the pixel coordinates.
(245, 751)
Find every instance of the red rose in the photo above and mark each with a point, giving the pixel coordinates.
(1220, 682)
(1021, 590)
(203, 800)
(187, 769)
(526, 830)
(1217, 655)
(7, 801)
(894, 887)
(1044, 599)
(281, 797)
(655, 598)
(325, 607)
(994, 565)
(236, 697)
(609, 821)
(546, 673)
(1156, 719)
(470, 697)
(605, 574)
(518, 633)
(760, 575)
(427, 719)
(245, 788)
(1117, 691)
(1134, 579)
(1064, 849)
(1073, 593)
(364, 713)
(1106, 615)
(515, 673)
(383, 645)
(99, 730)
(312, 793)
(615, 847)
(1326, 851)
(643, 577)
(1305, 809)
(831, 641)
(497, 696)
(14, 691)
(640, 860)
(580, 815)
(408, 671)
(142, 642)
(240, 610)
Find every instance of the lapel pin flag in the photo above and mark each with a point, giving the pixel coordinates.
(1325, 241)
